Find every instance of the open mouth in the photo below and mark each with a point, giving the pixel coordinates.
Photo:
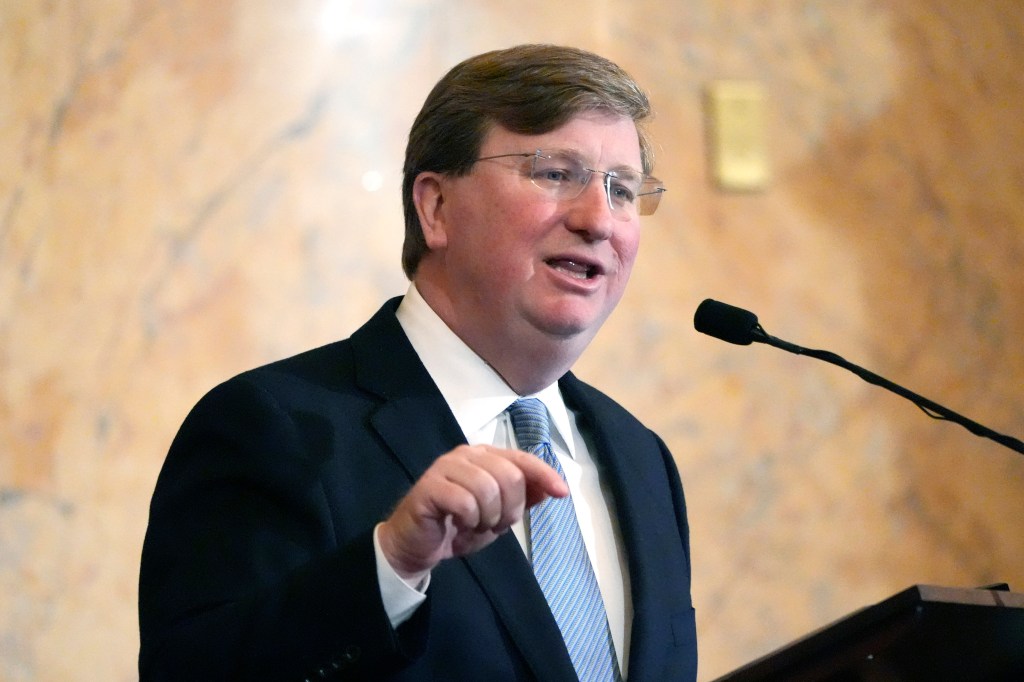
(574, 269)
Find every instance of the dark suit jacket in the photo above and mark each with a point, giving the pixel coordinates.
(258, 562)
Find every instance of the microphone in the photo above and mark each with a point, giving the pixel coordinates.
(739, 326)
(726, 322)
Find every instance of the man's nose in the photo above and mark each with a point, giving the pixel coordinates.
(591, 212)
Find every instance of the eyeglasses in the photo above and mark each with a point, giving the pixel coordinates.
(563, 175)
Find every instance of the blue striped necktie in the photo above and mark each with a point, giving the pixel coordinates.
(560, 559)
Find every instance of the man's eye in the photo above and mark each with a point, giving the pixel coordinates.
(622, 193)
(556, 175)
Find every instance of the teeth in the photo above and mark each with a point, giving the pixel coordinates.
(573, 269)
(574, 274)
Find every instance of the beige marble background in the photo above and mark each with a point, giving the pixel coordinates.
(190, 188)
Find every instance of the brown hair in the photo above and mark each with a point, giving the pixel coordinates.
(529, 89)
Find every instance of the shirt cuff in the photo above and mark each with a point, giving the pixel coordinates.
(401, 598)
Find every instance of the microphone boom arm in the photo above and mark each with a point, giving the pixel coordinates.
(932, 409)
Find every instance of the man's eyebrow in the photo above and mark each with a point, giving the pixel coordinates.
(576, 155)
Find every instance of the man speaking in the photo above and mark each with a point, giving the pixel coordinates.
(438, 497)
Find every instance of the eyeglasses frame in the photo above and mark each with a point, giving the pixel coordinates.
(608, 175)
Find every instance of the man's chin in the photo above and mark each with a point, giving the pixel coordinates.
(571, 328)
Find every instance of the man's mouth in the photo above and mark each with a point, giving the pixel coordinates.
(574, 269)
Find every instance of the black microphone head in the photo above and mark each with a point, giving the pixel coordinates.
(725, 322)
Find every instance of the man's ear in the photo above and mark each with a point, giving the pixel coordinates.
(428, 197)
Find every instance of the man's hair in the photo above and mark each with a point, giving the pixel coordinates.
(530, 90)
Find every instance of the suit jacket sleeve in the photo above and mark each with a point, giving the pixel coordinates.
(244, 575)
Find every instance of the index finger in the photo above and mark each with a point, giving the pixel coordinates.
(540, 479)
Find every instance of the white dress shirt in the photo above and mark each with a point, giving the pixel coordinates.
(478, 397)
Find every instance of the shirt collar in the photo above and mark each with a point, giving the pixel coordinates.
(475, 393)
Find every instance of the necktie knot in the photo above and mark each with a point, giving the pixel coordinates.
(530, 423)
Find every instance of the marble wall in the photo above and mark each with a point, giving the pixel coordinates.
(188, 189)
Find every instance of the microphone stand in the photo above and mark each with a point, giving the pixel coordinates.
(930, 408)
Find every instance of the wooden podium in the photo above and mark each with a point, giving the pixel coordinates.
(924, 633)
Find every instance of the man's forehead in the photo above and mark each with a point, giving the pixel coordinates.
(589, 136)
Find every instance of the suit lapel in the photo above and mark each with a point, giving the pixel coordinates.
(505, 575)
(634, 476)
(417, 426)
(412, 418)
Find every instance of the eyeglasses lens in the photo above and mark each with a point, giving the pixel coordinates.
(565, 177)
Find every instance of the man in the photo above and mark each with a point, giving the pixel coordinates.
(364, 510)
